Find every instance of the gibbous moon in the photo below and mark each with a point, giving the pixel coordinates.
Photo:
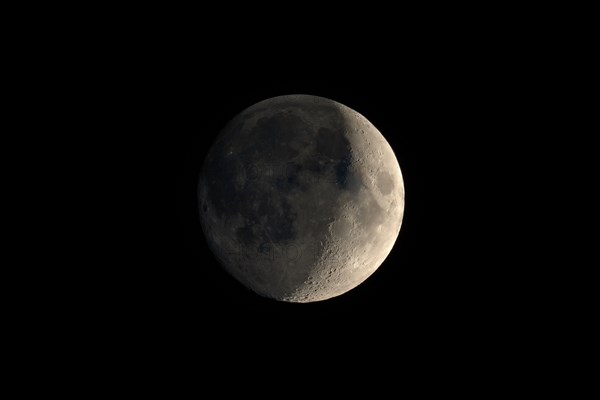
(301, 198)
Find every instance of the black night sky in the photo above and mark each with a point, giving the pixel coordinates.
(134, 101)
(457, 108)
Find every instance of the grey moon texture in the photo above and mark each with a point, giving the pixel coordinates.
(301, 198)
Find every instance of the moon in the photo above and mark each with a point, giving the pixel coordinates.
(301, 198)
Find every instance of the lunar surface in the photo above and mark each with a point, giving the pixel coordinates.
(301, 198)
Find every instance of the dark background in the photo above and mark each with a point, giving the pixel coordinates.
(460, 105)
(458, 108)
(146, 284)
